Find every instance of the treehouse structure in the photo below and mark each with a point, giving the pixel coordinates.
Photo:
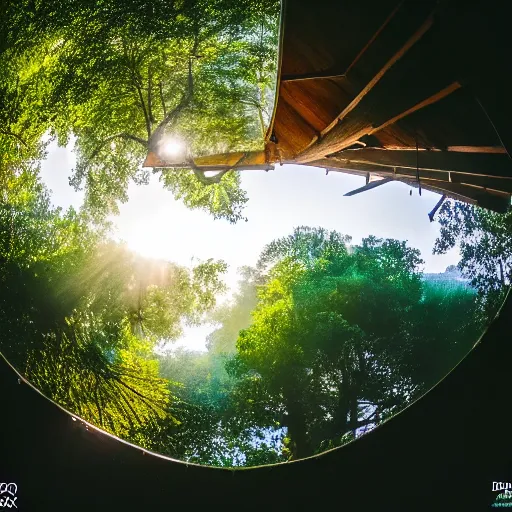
(408, 91)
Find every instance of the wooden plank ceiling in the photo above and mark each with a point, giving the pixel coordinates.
(406, 90)
(390, 90)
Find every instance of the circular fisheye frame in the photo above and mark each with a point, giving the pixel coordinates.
(233, 249)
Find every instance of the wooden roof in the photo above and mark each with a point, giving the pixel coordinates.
(413, 91)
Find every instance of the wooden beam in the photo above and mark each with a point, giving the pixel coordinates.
(447, 193)
(369, 186)
(211, 168)
(485, 183)
(501, 184)
(348, 133)
(496, 203)
(422, 104)
(436, 207)
(370, 42)
(360, 169)
(369, 86)
(330, 167)
(461, 187)
(313, 76)
(495, 150)
(498, 165)
(457, 192)
(251, 160)
(478, 149)
(342, 137)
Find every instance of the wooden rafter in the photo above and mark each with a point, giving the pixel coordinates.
(457, 196)
(347, 133)
(313, 76)
(436, 207)
(485, 196)
(481, 164)
(368, 186)
(465, 187)
(465, 195)
(374, 37)
(498, 202)
(495, 150)
(371, 84)
(361, 169)
(337, 73)
(422, 104)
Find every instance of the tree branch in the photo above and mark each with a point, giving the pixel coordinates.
(152, 404)
(262, 122)
(137, 84)
(97, 402)
(150, 98)
(367, 421)
(122, 135)
(160, 88)
(210, 180)
(251, 102)
(171, 116)
(147, 119)
(15, 135)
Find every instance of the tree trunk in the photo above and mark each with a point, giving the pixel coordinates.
(297, 430)
(354, 414)
(262, 122)
(341, 415)
(298, 436)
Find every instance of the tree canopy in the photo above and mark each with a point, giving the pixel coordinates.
(484, 239)
(341, 338)
(324, 338)
(81, 316)
(124, 78)
(327, 323)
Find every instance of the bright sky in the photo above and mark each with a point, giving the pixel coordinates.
(155, 225)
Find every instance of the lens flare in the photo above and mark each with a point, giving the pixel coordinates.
(172, 147)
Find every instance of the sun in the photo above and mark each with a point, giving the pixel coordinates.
(172, 147)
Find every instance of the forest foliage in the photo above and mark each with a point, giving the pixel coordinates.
(123, 78)
(324, 338)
